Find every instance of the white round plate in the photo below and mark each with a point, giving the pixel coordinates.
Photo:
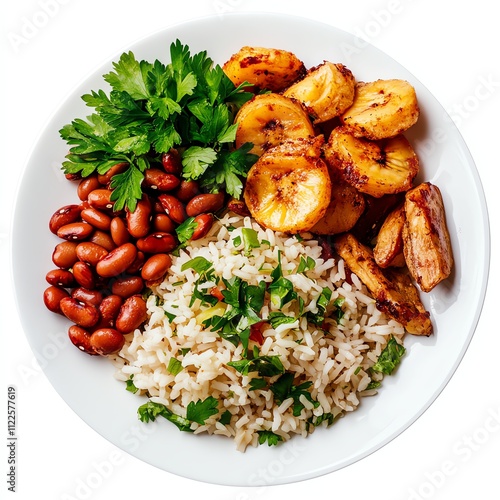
(87, 384)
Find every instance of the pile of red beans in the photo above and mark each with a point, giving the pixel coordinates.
(107, 259)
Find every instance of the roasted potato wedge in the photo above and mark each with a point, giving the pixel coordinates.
(427, 246)
(345, 208)
(270, 119)
(326, 91)
(382, 109)
(395, 297)
(288, 188)
(388, 250)
(266, 68)
(376, 168)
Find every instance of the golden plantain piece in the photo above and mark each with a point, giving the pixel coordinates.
(376, 168)
(394, 294)
(346, 206)
(382, 109)
(326, 91)
(288, 188)
(388, 251)
(267, 68)
(427, 246)
(270, 119)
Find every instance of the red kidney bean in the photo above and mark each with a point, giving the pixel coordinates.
(171, 162)
(203, 224)
(96, 218)
(85, 315)
(127, 286)
(90, 253)
(105, 179)
(86, 186)
(102, 239)
(238, 207)
(75, 231)
(138, 221)
(135, 267)
(81, 339)
(157, 243)
(60, 277)
(157, 179)
(156, 267)
(187, 190)
(132, 314)
(65, 215)
(119, 231)
(163, 223)
(100, 199)
(106, 341)
(92, 297)
(73, 177)
(117, 261)
(109, 309)
(84, 275)
(173, 207)
(52, 297)
(64, 254)
(203, 203)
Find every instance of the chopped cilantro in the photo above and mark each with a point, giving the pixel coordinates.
(174, 366)
(265, 366)
(225, 418)
(257, 383)
(130, 385)
(277, 318)
(390, 357)
(201, 410)
(250, 240)
(306, 264)
(186, 229)
(196, 412)
(270, 437)
(283, 389)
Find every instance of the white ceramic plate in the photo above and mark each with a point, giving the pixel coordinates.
(86, 383)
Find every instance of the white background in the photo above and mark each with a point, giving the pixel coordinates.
(50, 46)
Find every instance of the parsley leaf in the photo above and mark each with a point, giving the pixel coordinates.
(186, 229)
(150, 411)
(265, 366)
(201, 410)
(174, 366)
(390, 357)
(283, 389)
(196, 412)
(152, 107)
(270, 437)
(130, 386)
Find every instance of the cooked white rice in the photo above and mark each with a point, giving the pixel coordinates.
(335, 361)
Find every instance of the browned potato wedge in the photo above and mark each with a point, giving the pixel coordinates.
(427, 246)
(288, 188)
(395, 297)
(267, 68)
(345, 208)
(418, 322)
(377, 209)
(376, 168)
(327, 91)
(382, 109)
(270, 119)
(388, 250)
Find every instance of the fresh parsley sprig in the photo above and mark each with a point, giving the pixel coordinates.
(151, 108)
(198, 412)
